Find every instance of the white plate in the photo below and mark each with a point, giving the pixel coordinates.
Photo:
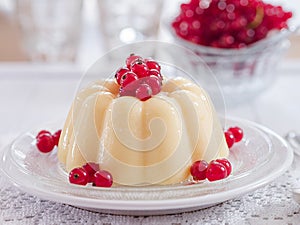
(257, 160)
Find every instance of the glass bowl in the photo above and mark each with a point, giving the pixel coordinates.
(246, 72)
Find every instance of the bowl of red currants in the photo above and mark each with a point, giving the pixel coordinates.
(242, 41)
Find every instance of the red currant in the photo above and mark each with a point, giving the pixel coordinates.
(56, 137)
(237, 133)
(227, 165)
(229, 138)
(155, 84)
(156, 73)
(128, 78)
(131, 59)
(126, 91)
(143, 92)
(120, 72)
(139, 68)
(103, 178)
(43, 132)
(78, 176)
(228, 24)
(215, 171)
(198, 170)
(91, 168)
(45, 142)
(151, 64)
(137, 79)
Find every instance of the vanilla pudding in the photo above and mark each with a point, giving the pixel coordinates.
(142, 142)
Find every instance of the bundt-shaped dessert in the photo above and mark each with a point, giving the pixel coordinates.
(142, 132)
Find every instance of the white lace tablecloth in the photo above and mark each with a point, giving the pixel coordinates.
(28, 102)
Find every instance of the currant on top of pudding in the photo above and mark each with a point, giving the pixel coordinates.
(140, 78)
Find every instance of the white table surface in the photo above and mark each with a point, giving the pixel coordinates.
(33, 95)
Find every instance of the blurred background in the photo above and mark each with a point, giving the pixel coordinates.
(80, 31)
(73, 31)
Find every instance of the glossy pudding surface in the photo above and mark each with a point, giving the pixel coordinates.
(142, 142)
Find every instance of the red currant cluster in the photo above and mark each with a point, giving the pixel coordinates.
(233, 135)
(140, 78)
(45, 141)
(215, 170)
(230, 23)
(91, 173)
